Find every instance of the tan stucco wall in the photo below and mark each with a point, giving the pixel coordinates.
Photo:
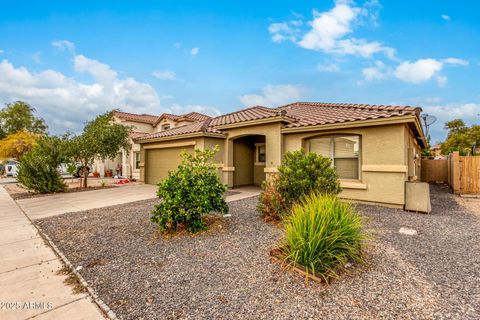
(411, 142)
(164, 121)
(137, 126)
(383, 158)
(273, 148)
(126, 159)
(382, 161)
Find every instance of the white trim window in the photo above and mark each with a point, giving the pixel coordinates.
(260, 154)
(136, 160)
(344, 150)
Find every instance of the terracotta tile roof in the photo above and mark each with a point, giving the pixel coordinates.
(253, 113)
(195, 116)
(297, 114)
(144, 118)
(192, 116)
(137, 134)
(316, 113)
(195, 127)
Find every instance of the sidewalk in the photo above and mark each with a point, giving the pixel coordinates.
(28, 279)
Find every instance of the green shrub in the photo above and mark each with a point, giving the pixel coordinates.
(299, 174)
(38, 167)
(189, 192)
(323, 234)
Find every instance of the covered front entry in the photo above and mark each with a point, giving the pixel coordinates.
(158, 162)
(249, 160)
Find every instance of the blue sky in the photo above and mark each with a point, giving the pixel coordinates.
(75, 60)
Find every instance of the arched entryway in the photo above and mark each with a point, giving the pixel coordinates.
(249, 159)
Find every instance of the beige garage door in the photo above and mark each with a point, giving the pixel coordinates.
(160, 161)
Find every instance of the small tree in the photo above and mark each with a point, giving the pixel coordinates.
(461, 138)
(299, 175)
(16, 144)
(101, 138)
(39, 167)
(19, 116)
(189, 192)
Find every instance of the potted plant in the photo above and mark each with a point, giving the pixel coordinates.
(108, 173)
(96, 174)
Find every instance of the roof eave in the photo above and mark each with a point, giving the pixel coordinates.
(183, 136)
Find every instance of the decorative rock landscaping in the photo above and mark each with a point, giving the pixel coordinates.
(227, 272)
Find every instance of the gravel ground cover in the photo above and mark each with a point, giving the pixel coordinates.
(226, 273)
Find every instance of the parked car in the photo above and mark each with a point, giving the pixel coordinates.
(80, 171)
(11, 168)
(72, 169)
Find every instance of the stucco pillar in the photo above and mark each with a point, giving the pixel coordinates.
(125, 166)
(228, 167)
(142, 164)
(273, 148)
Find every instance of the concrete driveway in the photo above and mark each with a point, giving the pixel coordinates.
(37, 208)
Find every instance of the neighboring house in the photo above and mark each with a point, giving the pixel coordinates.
(374, 149)
(436, 151)
(128, 160)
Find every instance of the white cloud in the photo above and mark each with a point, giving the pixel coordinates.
(164, 74)
(64, 45)
(467, 111)
(455, 61)
(282, 31)
(195, 51)
(101, 72)
(446, 112)
(445, 17)
(419, 71)
(65, 102)
(274, 95)
(330, 32)
(329, 67)
(179, 109)
(1, 51)
(377, 72)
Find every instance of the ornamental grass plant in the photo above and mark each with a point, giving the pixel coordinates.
(323, 234)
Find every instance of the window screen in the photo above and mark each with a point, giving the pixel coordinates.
(344, 152)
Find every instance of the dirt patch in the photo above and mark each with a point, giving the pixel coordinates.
(72, 280)
(17, 192)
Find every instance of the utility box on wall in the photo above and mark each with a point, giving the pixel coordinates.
(417, 197)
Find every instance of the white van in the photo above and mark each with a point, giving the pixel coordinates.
(11, 168)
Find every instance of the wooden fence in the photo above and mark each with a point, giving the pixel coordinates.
(470, 174)
(461, 173)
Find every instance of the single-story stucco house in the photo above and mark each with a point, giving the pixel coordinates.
(375, 149)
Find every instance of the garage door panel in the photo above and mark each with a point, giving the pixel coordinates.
(160, 161)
